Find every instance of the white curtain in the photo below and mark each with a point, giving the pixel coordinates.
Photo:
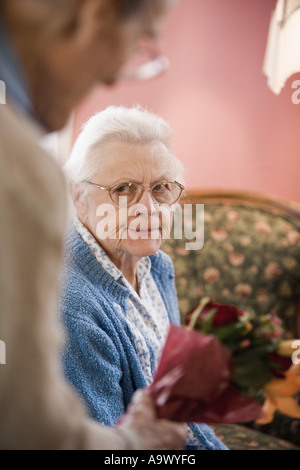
(282, 58)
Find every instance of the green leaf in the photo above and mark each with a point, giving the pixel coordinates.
(197, 311)
(207, 321)
(230, 335)
(251, 372)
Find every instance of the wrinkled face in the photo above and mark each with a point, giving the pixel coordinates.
(139, 229)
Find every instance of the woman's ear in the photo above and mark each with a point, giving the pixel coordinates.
(80, 200)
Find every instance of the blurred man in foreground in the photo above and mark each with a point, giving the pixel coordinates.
(52, 52)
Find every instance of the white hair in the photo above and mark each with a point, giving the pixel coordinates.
(117, 124)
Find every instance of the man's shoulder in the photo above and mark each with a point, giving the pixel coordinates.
(26, 170)
(16, 127)
(20, 141)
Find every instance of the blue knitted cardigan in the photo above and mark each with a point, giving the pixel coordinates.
(99, 358)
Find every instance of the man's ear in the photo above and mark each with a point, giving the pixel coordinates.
(41, 15)
(66, 17)
(90, 17)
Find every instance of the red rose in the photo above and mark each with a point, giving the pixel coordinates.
(225, 314)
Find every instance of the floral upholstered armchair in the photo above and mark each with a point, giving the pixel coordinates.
(250, 258)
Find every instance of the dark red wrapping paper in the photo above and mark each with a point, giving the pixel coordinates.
(192, 382)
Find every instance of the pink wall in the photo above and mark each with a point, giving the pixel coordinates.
(230, 130)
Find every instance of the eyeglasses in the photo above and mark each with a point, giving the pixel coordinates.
(146, 62)
(162, 193)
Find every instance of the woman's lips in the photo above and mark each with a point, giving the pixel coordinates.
(148, 231)
(143, 231)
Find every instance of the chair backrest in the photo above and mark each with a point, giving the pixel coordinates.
(250, 256)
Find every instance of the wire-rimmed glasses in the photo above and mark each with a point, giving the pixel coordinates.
(164, 192)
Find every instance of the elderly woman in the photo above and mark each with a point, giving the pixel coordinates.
(118, 296)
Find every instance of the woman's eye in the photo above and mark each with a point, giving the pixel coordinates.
(124, 188)
(160, 187)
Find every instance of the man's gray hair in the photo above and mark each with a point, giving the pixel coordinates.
(117, 124)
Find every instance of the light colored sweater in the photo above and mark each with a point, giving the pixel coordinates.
(100, 357)
(38, 409)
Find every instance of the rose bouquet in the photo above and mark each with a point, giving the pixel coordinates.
(212, 369)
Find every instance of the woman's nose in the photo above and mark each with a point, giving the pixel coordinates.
(147, 202)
